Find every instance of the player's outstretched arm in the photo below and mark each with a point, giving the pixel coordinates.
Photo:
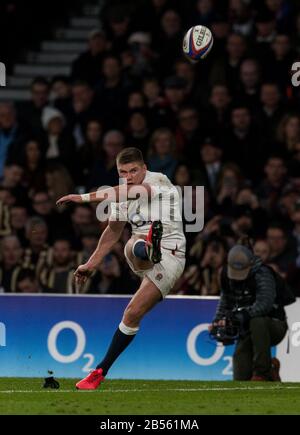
(109, 237)
(119, 193)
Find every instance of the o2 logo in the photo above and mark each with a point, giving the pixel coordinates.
(192, 351)
(79, 348)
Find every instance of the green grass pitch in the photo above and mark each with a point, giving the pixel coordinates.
(131, 397)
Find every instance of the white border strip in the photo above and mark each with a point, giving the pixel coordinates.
(62, 295)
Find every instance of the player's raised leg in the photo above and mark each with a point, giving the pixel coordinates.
(145, 251)
(143, 301)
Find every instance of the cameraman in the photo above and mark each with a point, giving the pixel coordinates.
(248, 294)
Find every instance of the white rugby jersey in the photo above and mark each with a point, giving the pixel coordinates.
(165, 205)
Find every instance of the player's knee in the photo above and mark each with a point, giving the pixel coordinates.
(132, 316)
(128, 247)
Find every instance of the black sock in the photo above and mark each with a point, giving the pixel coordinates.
(118, 344)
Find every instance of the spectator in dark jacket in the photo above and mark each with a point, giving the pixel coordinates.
(12, 135)
(88, 65)
(248, 291)
(31, 111)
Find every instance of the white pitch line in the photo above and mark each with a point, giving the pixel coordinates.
(156, 390)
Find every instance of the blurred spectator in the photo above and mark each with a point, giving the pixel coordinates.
(182, 175)
(81, 220)
(250, 81)
(168, 41)
(11, 254)
(109, 278)
(117, 26)
(89, 151)
(217, 115)
(226, 69)
(247, 198)
(241, 16)
(138, 130)
(31, 111)
(142, 55)
(204, 13)
(61, 92)
(281, 59)
(104, 172)
(84, 108)
(175, 95)
(58, 182)
(282, 11)
(242, 222)
(12, 176)
(288, 133)
(42, 207)
(12, 179)
(161, 157)
(296, 230)
(242, 142)
(211, 156)
(220, 28)
(211, 265)
(34, 166)
(59, 277)
(37, 253)
(283, 252)
(89, 241)
(189, 133)
(270, 113)
(265, 34)
(112, 92)
(261, 248)
(88, 65)
(8, 199)
(286, 205)
(12, 135)
(136, 100)
(148, 14)
(195, 81)
(60, 145)
(271, 187)
(204, 278)
(18, 219)
(27, 282)
(294, 162)
(230, 182)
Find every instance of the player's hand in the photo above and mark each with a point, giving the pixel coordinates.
(69, 198)
(82, 273)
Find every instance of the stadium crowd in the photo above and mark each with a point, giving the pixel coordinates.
(230, 122)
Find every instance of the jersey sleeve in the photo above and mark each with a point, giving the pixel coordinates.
(160, 185)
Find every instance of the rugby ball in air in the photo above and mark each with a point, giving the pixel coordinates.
(197, 43)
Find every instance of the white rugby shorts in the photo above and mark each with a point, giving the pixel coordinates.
(164, 274)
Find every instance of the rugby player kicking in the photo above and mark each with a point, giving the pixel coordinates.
(155, 252)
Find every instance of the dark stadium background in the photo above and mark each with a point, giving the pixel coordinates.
(87, 78)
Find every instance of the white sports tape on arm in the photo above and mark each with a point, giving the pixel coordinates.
(85, 197)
